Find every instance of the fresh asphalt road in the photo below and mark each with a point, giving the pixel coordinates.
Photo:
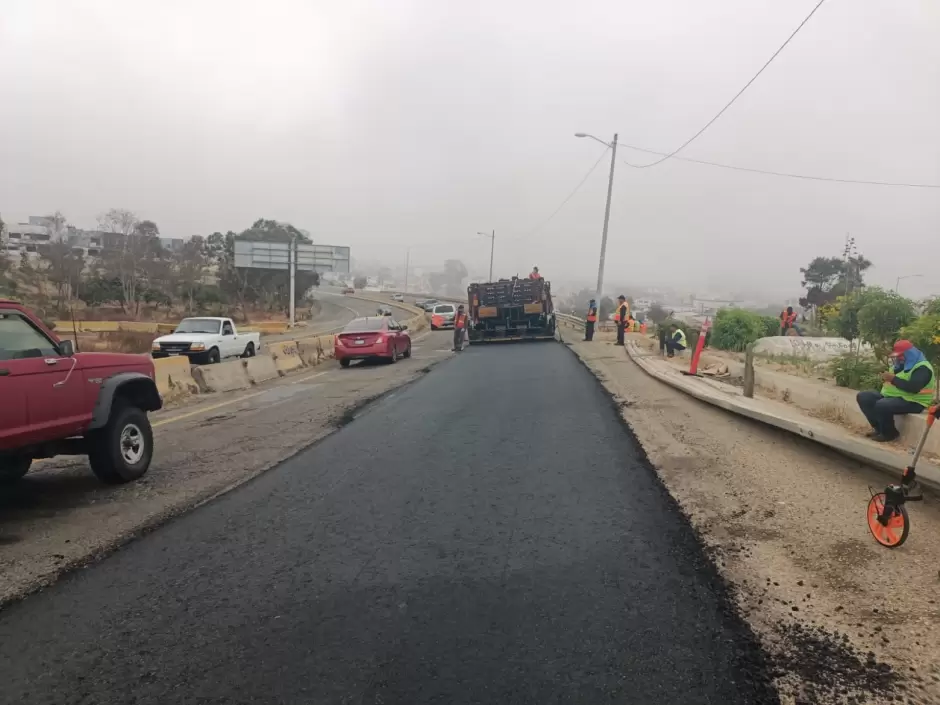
(488, 534)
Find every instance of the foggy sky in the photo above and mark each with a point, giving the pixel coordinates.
(391, 123)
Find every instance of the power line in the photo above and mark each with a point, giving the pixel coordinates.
(577, 188)
(780, 173)
(736, 96)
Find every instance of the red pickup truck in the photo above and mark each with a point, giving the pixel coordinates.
(55, 401)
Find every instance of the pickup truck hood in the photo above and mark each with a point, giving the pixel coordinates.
(116, 362)
(186, 337)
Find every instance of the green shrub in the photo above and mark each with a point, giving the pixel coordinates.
(856, 372)
(736, 328)
(925, 334)
(881, 319)
(771, 326)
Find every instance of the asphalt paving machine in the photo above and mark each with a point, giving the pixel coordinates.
(511, 310)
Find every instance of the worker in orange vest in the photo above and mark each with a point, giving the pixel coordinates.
(623, 310)
(590, 320)
(788, 321)
(460, 327)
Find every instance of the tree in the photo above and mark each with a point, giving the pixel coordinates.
(657, 314)
(360, 282)
(191, 265)
(881, 318)
(450, 281)
(62, 266)
(121, 251)
(826, 278)
(605, 307)
(98, 290)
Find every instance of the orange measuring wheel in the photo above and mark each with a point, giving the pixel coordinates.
(890, 526)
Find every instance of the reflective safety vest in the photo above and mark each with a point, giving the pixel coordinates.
(535, 275)
(682, 340)
(787, 319)
(617, 317)
(592, 314)
(460, 320)
(923, 397)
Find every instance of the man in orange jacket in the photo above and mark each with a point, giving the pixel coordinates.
(590, 320)
(460, 327)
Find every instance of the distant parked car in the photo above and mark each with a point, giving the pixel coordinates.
(398, 297)
(427, 304)
(349, 290)
(377, 337)
(442, 316)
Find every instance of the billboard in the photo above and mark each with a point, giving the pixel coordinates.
(255, 254)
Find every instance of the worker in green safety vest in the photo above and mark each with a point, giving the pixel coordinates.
(676, 342)
(908, 389)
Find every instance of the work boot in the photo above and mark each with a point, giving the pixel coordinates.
(881, 438)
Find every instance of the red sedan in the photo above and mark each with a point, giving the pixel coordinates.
(379, 337)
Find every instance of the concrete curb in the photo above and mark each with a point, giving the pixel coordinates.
(888, 460)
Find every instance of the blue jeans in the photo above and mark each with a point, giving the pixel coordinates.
(880, 411)
(673, 346)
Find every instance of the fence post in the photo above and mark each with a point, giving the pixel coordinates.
(749, 371)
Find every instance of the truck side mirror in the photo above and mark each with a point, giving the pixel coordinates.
(66, 348)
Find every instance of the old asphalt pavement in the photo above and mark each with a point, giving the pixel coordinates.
(488, 534)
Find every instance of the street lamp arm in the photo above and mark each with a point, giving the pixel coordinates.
(596, 139)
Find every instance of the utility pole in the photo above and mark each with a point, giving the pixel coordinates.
(292, 264)
(492, 237)
(492, 247)
(407, 262)
(610, 191)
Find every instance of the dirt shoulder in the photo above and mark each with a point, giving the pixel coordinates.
(846, 620)
(60, 517)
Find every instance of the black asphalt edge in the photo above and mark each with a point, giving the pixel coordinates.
(751, 657)
(809, 664)
(333, 425)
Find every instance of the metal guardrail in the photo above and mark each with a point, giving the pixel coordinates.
(569, 320)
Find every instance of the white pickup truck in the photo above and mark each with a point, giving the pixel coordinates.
(206, 341)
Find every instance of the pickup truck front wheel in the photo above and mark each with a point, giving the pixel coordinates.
(121, 451)
(12, 469)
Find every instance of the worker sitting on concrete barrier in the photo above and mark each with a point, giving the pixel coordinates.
(908, 389)
(676, 342)
(788, 322)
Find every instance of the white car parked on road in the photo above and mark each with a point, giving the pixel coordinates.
(206, 341)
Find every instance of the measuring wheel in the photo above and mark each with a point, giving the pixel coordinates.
(890, 526)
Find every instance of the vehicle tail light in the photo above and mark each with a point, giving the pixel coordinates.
(337, 341)
(379, 340)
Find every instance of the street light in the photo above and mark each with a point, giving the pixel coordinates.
(906, 276)
(492, 237)
(610, 190)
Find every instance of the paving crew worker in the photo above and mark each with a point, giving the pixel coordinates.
(676, 342)
(908, 389)
(623, 310)
(460, 327)
(534, 274)
(590, 320)
(788, 321)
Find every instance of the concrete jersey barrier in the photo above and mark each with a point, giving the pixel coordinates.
(286, 355)
(260, 368)
(174, 378)
(222, 377)
(811, 348)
